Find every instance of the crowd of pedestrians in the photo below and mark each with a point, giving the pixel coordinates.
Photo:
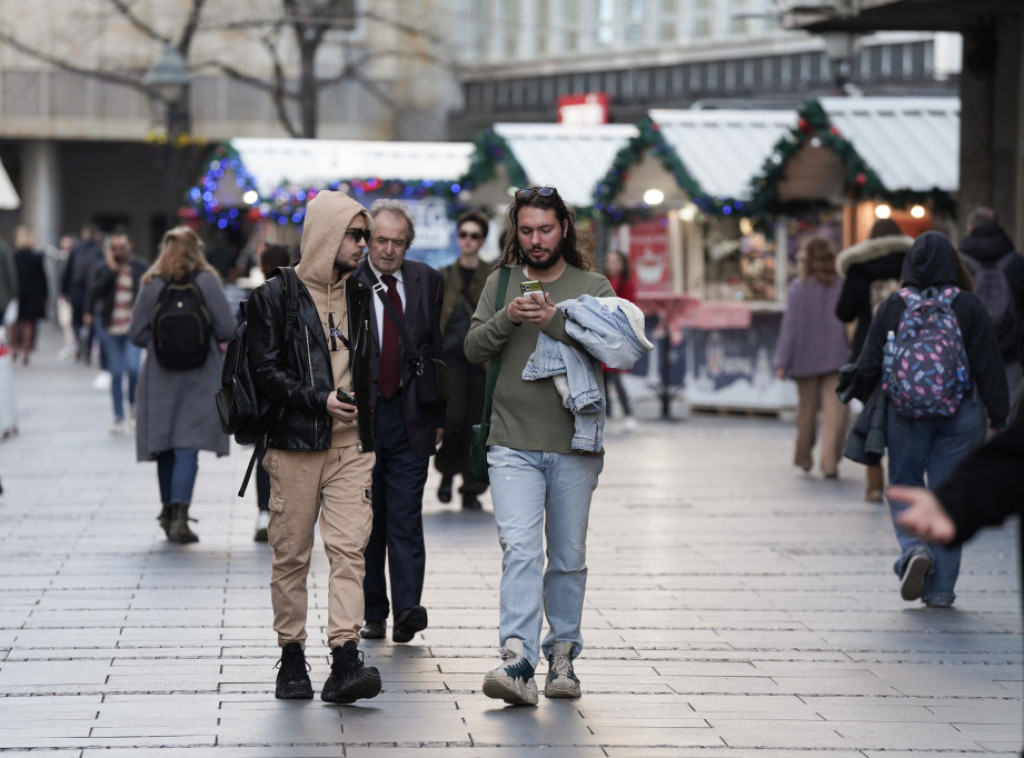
(342, 346)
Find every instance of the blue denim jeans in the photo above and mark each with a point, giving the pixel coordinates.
(176, 471)
(121, 357)
(932, 448)
(538, 495)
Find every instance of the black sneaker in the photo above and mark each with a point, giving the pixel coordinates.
(444, 491)
(293, 678)
(350, 680)
(914, 575)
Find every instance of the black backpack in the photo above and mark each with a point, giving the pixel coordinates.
(182, 326)
(243, 411)
(992, 286)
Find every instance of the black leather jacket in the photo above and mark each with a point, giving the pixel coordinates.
(103, 287)
(293, 369)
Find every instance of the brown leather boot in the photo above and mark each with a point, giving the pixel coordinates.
(180, 532)
(875, 484)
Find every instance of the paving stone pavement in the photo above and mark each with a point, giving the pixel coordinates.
(735, 609)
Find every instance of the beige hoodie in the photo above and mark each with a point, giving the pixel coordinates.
(328, 215)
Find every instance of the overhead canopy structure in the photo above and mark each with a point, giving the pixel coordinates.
(912, 142)
(723, 149)
(9, 199)
(569, 157)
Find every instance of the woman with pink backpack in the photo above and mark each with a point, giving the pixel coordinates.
(933, 348)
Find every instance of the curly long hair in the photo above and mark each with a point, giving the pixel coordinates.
(181, 253)
(817, 260)
(575, 250)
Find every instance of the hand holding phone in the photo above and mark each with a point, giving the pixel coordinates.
(344, 397)
(529, 287)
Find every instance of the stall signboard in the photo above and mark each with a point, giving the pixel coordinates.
(648, 256)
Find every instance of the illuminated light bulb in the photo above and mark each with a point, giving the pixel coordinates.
(883, 211)
(654, 197)
(251, 197)
(917, 211)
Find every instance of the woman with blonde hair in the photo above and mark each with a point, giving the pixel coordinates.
(33, 292)
(811, 349)
(177, 416)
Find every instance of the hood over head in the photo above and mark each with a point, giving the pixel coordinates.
(328, 215)
(932, 261)
(987, 243)
(868, 252)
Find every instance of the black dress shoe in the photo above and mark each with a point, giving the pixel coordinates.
(408, 622)
(374, 630)
(470, 503)
(444, 492)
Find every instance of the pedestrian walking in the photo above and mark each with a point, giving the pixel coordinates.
(933, 348)
(406, 432)
(33, 293)
(811, 349)
(85, 254)
(463, 282)
(177, 416)
(616, 268)
(272, 257)
(998, 272)
(871, 272)
(540, 486)
(309, 354)
(113, 286)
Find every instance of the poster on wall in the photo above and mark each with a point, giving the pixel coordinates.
(648, 256)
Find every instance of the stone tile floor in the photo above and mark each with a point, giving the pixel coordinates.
(735, 609)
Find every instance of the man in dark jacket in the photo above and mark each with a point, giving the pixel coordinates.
(312, 360)
(998, 271)
(406, 433)
(85, 254)
(113, 284)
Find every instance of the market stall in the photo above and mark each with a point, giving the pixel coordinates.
(261, 186)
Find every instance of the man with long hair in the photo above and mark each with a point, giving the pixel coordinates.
(544, 487)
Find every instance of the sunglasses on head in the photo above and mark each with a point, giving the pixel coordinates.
(528, 192)
(470, 235)
(359, 234)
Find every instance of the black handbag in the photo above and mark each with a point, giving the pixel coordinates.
(431, 382)
(481, 431)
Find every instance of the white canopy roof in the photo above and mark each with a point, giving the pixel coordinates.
(723, 149)
(316, 163)
(913, 143)
(9, 199)
(570, 157)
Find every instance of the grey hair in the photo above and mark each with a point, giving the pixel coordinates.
(398, 208)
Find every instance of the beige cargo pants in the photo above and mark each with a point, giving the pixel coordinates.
(333, 485)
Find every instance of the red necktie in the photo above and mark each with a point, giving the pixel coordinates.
(388, 377)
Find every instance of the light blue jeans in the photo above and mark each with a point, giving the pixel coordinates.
(122, 357)
(538, 495)
(931, 448)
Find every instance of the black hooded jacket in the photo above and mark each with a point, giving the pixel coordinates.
(986, 244)
(932, 262)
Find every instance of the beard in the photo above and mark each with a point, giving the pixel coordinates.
(553, 257)
(343, 267)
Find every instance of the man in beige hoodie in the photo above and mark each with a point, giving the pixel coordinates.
(309, 354)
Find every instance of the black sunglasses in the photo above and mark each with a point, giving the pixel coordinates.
(359, 234)
(471, 235)
(528, 192)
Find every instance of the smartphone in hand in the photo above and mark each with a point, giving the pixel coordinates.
(529, 287)
(344, 397)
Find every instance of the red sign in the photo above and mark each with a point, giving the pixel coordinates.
(588, 108)
(648, 256)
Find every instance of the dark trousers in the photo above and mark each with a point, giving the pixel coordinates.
(465, 407)
(399, 477)
(262, 477)
(613, 381)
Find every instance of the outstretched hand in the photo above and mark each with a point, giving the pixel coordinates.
(924, 516)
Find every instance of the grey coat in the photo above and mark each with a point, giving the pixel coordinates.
(176, 408)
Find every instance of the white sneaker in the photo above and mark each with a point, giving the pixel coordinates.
(102, 381)
(629, 425)
(561, 681)
(513, 680)
(262, 522)
(118, 428)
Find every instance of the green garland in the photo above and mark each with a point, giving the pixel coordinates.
(860, 180)
(489, 150)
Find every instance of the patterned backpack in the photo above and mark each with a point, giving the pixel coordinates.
(926, 373)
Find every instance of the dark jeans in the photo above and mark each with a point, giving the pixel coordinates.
(465, 407)
(613, 380)
(399, 477)
(931, 448)
(176, 471)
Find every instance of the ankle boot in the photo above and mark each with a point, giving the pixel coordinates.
(875, 486)
(165, 520)
(180, 532)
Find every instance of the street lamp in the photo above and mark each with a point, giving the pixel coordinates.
(169, 79)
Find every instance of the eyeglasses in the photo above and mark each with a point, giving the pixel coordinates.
(528, 192)
(470, 235)
(358, 234)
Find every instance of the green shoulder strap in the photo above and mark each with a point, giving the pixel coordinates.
(495, 364)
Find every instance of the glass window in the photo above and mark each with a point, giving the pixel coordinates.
(482, 14)
(508, 23)
(668, 21)
(570, 26)
(738, 21)
(605, 37)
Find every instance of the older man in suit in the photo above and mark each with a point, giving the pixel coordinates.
(406, 434)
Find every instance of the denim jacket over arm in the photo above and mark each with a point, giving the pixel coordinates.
(609, 330)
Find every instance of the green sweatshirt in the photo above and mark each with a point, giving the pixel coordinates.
(527, 415)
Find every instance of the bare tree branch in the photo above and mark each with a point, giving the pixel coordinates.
(125, 9)
(190, 28)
